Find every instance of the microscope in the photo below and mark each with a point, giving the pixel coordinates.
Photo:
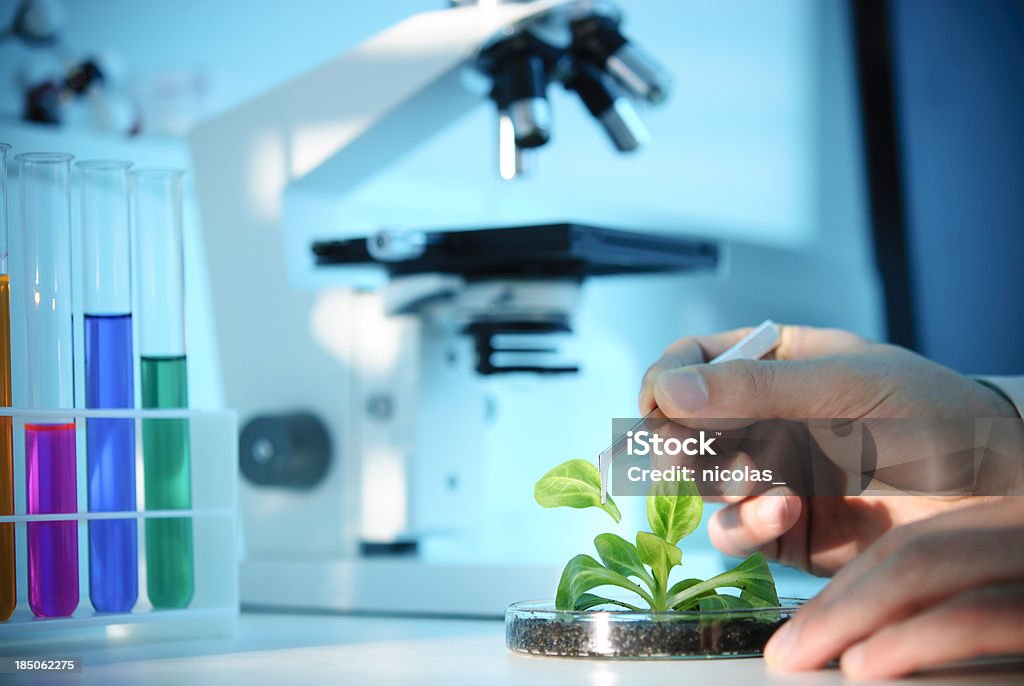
(358, 332)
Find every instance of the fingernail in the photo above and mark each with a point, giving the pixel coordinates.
(686, 388)
(772, 511)
(853, 660)
(781, 645)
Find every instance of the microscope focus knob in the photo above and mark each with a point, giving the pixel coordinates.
(287, 450)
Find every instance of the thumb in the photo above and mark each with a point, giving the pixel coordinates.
(756, 389)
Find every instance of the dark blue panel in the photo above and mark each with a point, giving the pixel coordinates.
(960, 92)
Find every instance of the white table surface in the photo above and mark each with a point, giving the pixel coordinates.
(313, 649)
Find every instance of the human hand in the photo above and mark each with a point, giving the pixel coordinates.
(816, 373)
(948, 588)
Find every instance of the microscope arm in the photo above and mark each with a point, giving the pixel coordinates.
(334, 127)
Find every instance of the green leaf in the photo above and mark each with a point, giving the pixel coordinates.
(589, 600)
(722, 602)
(674, 509)
(576, 483)
(583, 573)
(619, 555)
(681, 586)
(759, 591)
(752, 577)
(660, 556)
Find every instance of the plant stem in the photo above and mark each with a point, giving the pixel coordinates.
(660, 590)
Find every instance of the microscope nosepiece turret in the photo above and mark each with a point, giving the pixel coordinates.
(579, 45)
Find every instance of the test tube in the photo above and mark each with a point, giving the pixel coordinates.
(109, 382)
(165, 442)
(44, 291)
(8, 572)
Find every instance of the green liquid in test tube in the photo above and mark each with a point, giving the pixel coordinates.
(165, 442)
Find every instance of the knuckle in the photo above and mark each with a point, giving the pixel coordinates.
(889, 545)
(916, 552)
(971, 610)
(758, 377)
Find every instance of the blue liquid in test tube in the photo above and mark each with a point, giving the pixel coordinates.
(109, 384)
(110, 446)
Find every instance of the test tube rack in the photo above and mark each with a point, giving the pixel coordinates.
(213, 608)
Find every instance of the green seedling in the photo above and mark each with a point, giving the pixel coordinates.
(674, 509)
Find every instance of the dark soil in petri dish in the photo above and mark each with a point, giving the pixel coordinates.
(640, 639)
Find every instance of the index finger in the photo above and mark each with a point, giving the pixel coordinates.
(685, 352)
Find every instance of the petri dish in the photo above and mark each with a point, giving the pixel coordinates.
(537, 628)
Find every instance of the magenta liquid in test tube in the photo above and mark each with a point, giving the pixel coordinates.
(43, 287)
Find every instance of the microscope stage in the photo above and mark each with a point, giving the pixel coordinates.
(574, 250)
